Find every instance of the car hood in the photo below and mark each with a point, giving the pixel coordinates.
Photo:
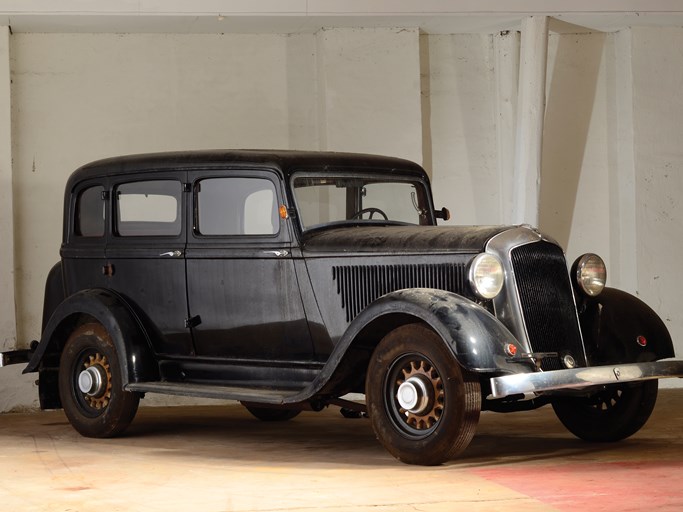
(401, 239)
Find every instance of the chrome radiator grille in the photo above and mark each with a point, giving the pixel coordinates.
(547, 303)
(359, 285)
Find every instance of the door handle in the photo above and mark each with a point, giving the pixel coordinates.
(277, 253)
(173, 254)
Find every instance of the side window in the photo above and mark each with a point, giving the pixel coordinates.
(149, 208)
(236, 206)
(89, 217)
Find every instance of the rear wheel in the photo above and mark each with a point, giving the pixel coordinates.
(611, 414)
(90, 384)
(423, 406)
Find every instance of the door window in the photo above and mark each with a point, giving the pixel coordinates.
(149, 208)
(236, 206)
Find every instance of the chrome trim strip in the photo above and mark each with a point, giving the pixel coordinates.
(583, 377)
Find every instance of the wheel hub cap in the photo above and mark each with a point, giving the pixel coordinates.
(95, 381)
(92, 380)
(413, 395)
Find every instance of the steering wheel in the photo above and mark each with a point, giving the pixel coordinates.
(371, 211)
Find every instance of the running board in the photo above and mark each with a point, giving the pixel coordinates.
(260, 395)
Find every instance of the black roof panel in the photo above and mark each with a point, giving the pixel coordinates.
(284, 160)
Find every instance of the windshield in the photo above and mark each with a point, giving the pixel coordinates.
(357, 199)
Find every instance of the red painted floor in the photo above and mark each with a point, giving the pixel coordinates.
(597, 486)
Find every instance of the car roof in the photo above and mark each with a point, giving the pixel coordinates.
(286, 161)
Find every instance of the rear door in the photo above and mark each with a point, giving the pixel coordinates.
(145, 254)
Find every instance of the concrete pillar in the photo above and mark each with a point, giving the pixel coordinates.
(623, 250)
(530, 112)
(8, 323)
(506, 55)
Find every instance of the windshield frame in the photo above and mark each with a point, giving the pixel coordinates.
(370, 174)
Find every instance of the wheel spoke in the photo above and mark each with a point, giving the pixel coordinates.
(421, 420)
(100, 398)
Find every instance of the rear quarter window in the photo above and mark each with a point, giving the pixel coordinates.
(89, 215)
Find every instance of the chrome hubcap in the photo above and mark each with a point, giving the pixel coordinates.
(91, 381)
(413, 395)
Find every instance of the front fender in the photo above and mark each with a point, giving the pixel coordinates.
(476, 338)
(612, 324)
(108, 308)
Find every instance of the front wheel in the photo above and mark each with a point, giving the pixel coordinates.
(90, 384)
(611, 414)
(423, 406)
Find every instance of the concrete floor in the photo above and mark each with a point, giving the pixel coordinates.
(221, 459)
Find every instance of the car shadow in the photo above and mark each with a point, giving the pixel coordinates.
(231, 433)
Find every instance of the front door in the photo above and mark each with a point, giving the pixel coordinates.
(243, 294)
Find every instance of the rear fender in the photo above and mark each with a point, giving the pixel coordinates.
(612, 325)
(108, 308)
(54, 292)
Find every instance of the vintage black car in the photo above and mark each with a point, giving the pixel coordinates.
(287, 280)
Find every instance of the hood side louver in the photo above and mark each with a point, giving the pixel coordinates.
(359, 285)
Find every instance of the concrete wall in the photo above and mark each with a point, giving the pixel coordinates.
(434, 99)
(658, 155)
(574, 205)
(463, 127)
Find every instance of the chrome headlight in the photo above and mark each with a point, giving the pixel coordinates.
(486, 275)
(590, 274)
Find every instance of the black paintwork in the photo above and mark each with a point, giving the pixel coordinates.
(613, 321)
(267, 318)
(401, 239)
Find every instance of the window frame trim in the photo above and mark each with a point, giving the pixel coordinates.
(114, 207)
(197, 175)
(355, 172)
(115, 241)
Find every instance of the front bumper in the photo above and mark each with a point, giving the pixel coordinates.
(577, 378)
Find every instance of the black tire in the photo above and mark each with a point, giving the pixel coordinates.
(612, 414)
(271, 414)
(107, 410)
(443, 426)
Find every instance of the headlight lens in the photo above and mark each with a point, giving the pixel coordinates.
(591, 274)
(486, 275)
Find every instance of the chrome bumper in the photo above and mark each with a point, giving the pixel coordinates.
(583, 377)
